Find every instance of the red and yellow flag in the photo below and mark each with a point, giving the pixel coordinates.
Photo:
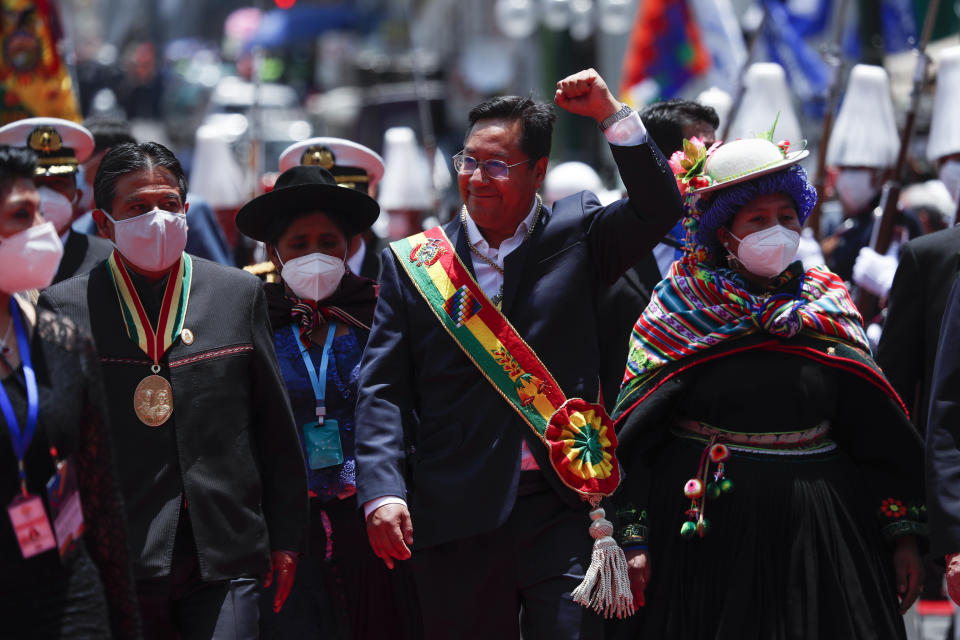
(34, 81)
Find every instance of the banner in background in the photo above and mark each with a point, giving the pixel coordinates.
(665, 52)
(34, 81)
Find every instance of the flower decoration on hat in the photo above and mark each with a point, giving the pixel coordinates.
(688, 163)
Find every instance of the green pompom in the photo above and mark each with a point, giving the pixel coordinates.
(726, 485)
(688, 529)
(703, 527)
(713, 491)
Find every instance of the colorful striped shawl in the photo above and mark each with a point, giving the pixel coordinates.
(695, 308)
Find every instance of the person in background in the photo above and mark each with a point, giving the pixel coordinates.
(106, 133)
(60, 146)
(209, 462)
(65, 572)
(321, 315)
(927, 267)
(668, 123)
(861, 153)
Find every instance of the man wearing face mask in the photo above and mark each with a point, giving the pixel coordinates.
(60, 146)
(862, 151)
(209, 461)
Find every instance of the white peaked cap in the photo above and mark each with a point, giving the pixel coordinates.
(406, 180)
(865, 131)
(945, 125)
(721, 102)
(568, 178)
(765, 94)
(216, 176)
(346, 153)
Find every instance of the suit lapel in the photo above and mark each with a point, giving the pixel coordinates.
(516, 263)
(458, 238)
(73, 253)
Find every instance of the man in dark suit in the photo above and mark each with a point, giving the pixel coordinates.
(908, 346)
(668, 123)
(60, 146)
(212, 476)
(943, 454)
(493, 529)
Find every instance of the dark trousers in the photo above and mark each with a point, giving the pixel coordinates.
(185, 607)
(515, 579)
(342, 590)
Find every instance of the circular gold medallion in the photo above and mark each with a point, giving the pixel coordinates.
(187, 336)
(153, 400)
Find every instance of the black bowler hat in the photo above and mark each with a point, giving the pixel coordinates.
(306, 188)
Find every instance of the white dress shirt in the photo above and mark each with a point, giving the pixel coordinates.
(625, 133)
(355, 262)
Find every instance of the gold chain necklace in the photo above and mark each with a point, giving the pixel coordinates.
(498, 299)
(478, 253)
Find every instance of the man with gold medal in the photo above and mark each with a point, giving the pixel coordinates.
(210, 465)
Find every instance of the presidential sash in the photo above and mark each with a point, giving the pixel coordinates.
(578, 434)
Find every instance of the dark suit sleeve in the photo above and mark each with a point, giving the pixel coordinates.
(900, 353)
(621, 233)
(386, 392)
(282, 467)
(943, 435)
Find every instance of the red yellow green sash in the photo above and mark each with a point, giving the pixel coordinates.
(173, 310)
(578, 434)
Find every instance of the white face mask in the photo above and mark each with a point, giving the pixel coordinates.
(950, 176)
(29, 259)
(55, 208)
(313, 276)
(855, 189)
(152, 241)
(768, 252)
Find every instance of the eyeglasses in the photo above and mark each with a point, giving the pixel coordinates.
(495, 169)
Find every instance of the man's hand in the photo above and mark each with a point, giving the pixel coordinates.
(284, 568)
(638, 566)
(909, 571)
(586, 94)
(953, 577)
(390, 530)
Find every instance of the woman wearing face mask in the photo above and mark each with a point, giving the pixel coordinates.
(321, 315)
(62, 543)
(773, 483)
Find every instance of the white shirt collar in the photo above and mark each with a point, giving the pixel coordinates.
(355, 262)
(476, 238)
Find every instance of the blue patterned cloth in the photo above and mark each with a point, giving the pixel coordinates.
(341, 400)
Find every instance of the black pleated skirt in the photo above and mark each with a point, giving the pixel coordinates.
(794, 552)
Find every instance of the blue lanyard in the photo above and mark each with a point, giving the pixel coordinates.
(21, 439)
(319, 383)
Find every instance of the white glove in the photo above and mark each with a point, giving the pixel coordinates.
(874, 272)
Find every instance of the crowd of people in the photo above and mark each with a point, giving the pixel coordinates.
(634, 415)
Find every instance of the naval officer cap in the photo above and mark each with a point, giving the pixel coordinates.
(352, 165)
(60, 144)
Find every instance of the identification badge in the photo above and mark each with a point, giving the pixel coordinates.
(31, 525)
(323, 444)
(65, 507)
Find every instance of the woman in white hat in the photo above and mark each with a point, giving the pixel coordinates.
(773, 482)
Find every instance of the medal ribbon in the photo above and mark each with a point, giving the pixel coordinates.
(21, 439)
(173, 310)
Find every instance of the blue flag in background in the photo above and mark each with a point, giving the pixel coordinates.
(899, 25)
(785, 36)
